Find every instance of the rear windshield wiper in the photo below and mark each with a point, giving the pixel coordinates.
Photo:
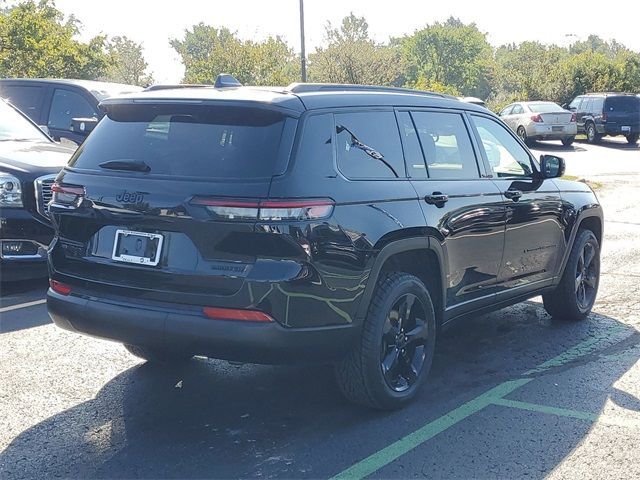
(131, 165)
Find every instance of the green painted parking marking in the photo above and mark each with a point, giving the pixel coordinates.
(389, 454)
(610, 336)
(564, 412)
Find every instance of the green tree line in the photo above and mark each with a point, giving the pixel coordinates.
(37, 40)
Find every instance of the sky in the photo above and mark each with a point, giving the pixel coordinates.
(152, 23)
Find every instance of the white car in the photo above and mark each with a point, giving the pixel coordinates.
(541, 121)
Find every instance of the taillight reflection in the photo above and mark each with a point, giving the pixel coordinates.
(268, 210)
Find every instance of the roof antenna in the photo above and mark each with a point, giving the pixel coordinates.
(224, 80)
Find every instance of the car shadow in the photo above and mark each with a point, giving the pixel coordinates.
(19, 293)
(609, 142)
(556, 147)
(214, 419)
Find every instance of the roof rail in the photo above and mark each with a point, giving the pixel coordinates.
(168, 86)
(326, 87)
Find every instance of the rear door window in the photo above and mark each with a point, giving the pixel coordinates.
(517, 110)
(446, 145)
(27, 98)
(368, 145)
(187, 140)
(67, 105)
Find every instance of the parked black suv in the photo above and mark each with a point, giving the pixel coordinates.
(600, 114)
(311, 223)
(29, 162)
(54, 103)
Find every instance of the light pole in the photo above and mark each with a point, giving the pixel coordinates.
(303, 60)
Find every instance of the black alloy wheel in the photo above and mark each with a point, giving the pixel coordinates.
(586, 277)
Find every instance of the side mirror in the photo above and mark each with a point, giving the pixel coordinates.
(83, 126)
(551, 166)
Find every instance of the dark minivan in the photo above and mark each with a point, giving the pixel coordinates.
(326, 223)
(600, 114)
(55, 103)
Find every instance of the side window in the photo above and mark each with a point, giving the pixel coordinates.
(446, 145)
(586, 104)
(506, 156)
(517, 110)
(368, 145)
(506, 111)
(575, 104)
(412, 151)
(598, 104)
(67, 105)
(27, 98)
(316, 148)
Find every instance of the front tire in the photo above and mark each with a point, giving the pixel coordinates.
(567, 142)
(157, 355)
(393, 357)
(592, 134)
(633, 138)
(575, 295)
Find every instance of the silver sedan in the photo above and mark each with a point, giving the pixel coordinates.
(541, 121)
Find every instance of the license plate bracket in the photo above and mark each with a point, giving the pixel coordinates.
(557, 128)
(141, 248)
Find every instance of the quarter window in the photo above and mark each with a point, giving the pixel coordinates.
(67, 105)
(505, 155)
(446, 145)
(368, 145)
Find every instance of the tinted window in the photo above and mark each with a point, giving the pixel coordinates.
(597, 105)
(187, 140)
(368, 145)
(27, 98)
(627, 104)
(586, 104)
(446, 145)
(316, 149)
(67, 105)
(412, 151)
(505, 155)
(517, 110)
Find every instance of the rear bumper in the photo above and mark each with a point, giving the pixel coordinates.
(190, 331)
(617, 129)
(547, 132)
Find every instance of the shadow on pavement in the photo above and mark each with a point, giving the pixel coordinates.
(618, 144)
(235, 421)
(556, 147)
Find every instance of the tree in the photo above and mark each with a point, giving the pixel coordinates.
(351, 56)
(127, 63)
(207, 51)
(37, 41)
(449, 54)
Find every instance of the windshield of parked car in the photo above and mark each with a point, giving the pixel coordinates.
(626, 103)
(545, 107)
(185, 140)
(14, 126)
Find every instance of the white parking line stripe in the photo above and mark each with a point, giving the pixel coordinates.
(22, 305)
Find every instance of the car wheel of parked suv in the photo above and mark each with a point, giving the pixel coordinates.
(567, 142)
(158, 355)
(575, 295)
(387, 367)
(633, 138)
(592, 135)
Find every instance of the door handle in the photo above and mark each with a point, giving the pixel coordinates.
(513, 194)
(436, 198)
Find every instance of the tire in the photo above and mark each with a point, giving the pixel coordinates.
(592, 134)
(385, 369)
(158, 355)
(522, 133)
(633, 138)
(567, 142)
(575, 295)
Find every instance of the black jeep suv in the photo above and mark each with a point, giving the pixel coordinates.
(600, 114)
(326, 223)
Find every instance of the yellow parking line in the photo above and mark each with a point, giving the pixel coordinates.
(22, 305)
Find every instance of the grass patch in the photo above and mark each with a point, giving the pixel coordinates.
(592, 184)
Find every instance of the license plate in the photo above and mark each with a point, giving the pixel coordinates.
(557, 129)
(137, 247)
(625, 128)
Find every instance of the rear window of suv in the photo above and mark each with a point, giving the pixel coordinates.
(627, 103)
(187, 140)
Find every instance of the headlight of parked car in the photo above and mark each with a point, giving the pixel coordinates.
(10, 191)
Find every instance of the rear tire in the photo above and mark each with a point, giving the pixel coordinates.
(158, 355)
(575, 295)
(387, 366)
(633, 138)
(592, 134)
(522, 133)
(567, 142)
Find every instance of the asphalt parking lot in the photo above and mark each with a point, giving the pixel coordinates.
(511, 395)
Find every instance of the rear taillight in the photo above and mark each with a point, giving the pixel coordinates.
(536, 118)
(573, 118)
(59, 287)
(268, 210)
(67, 196)
(216, 313)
